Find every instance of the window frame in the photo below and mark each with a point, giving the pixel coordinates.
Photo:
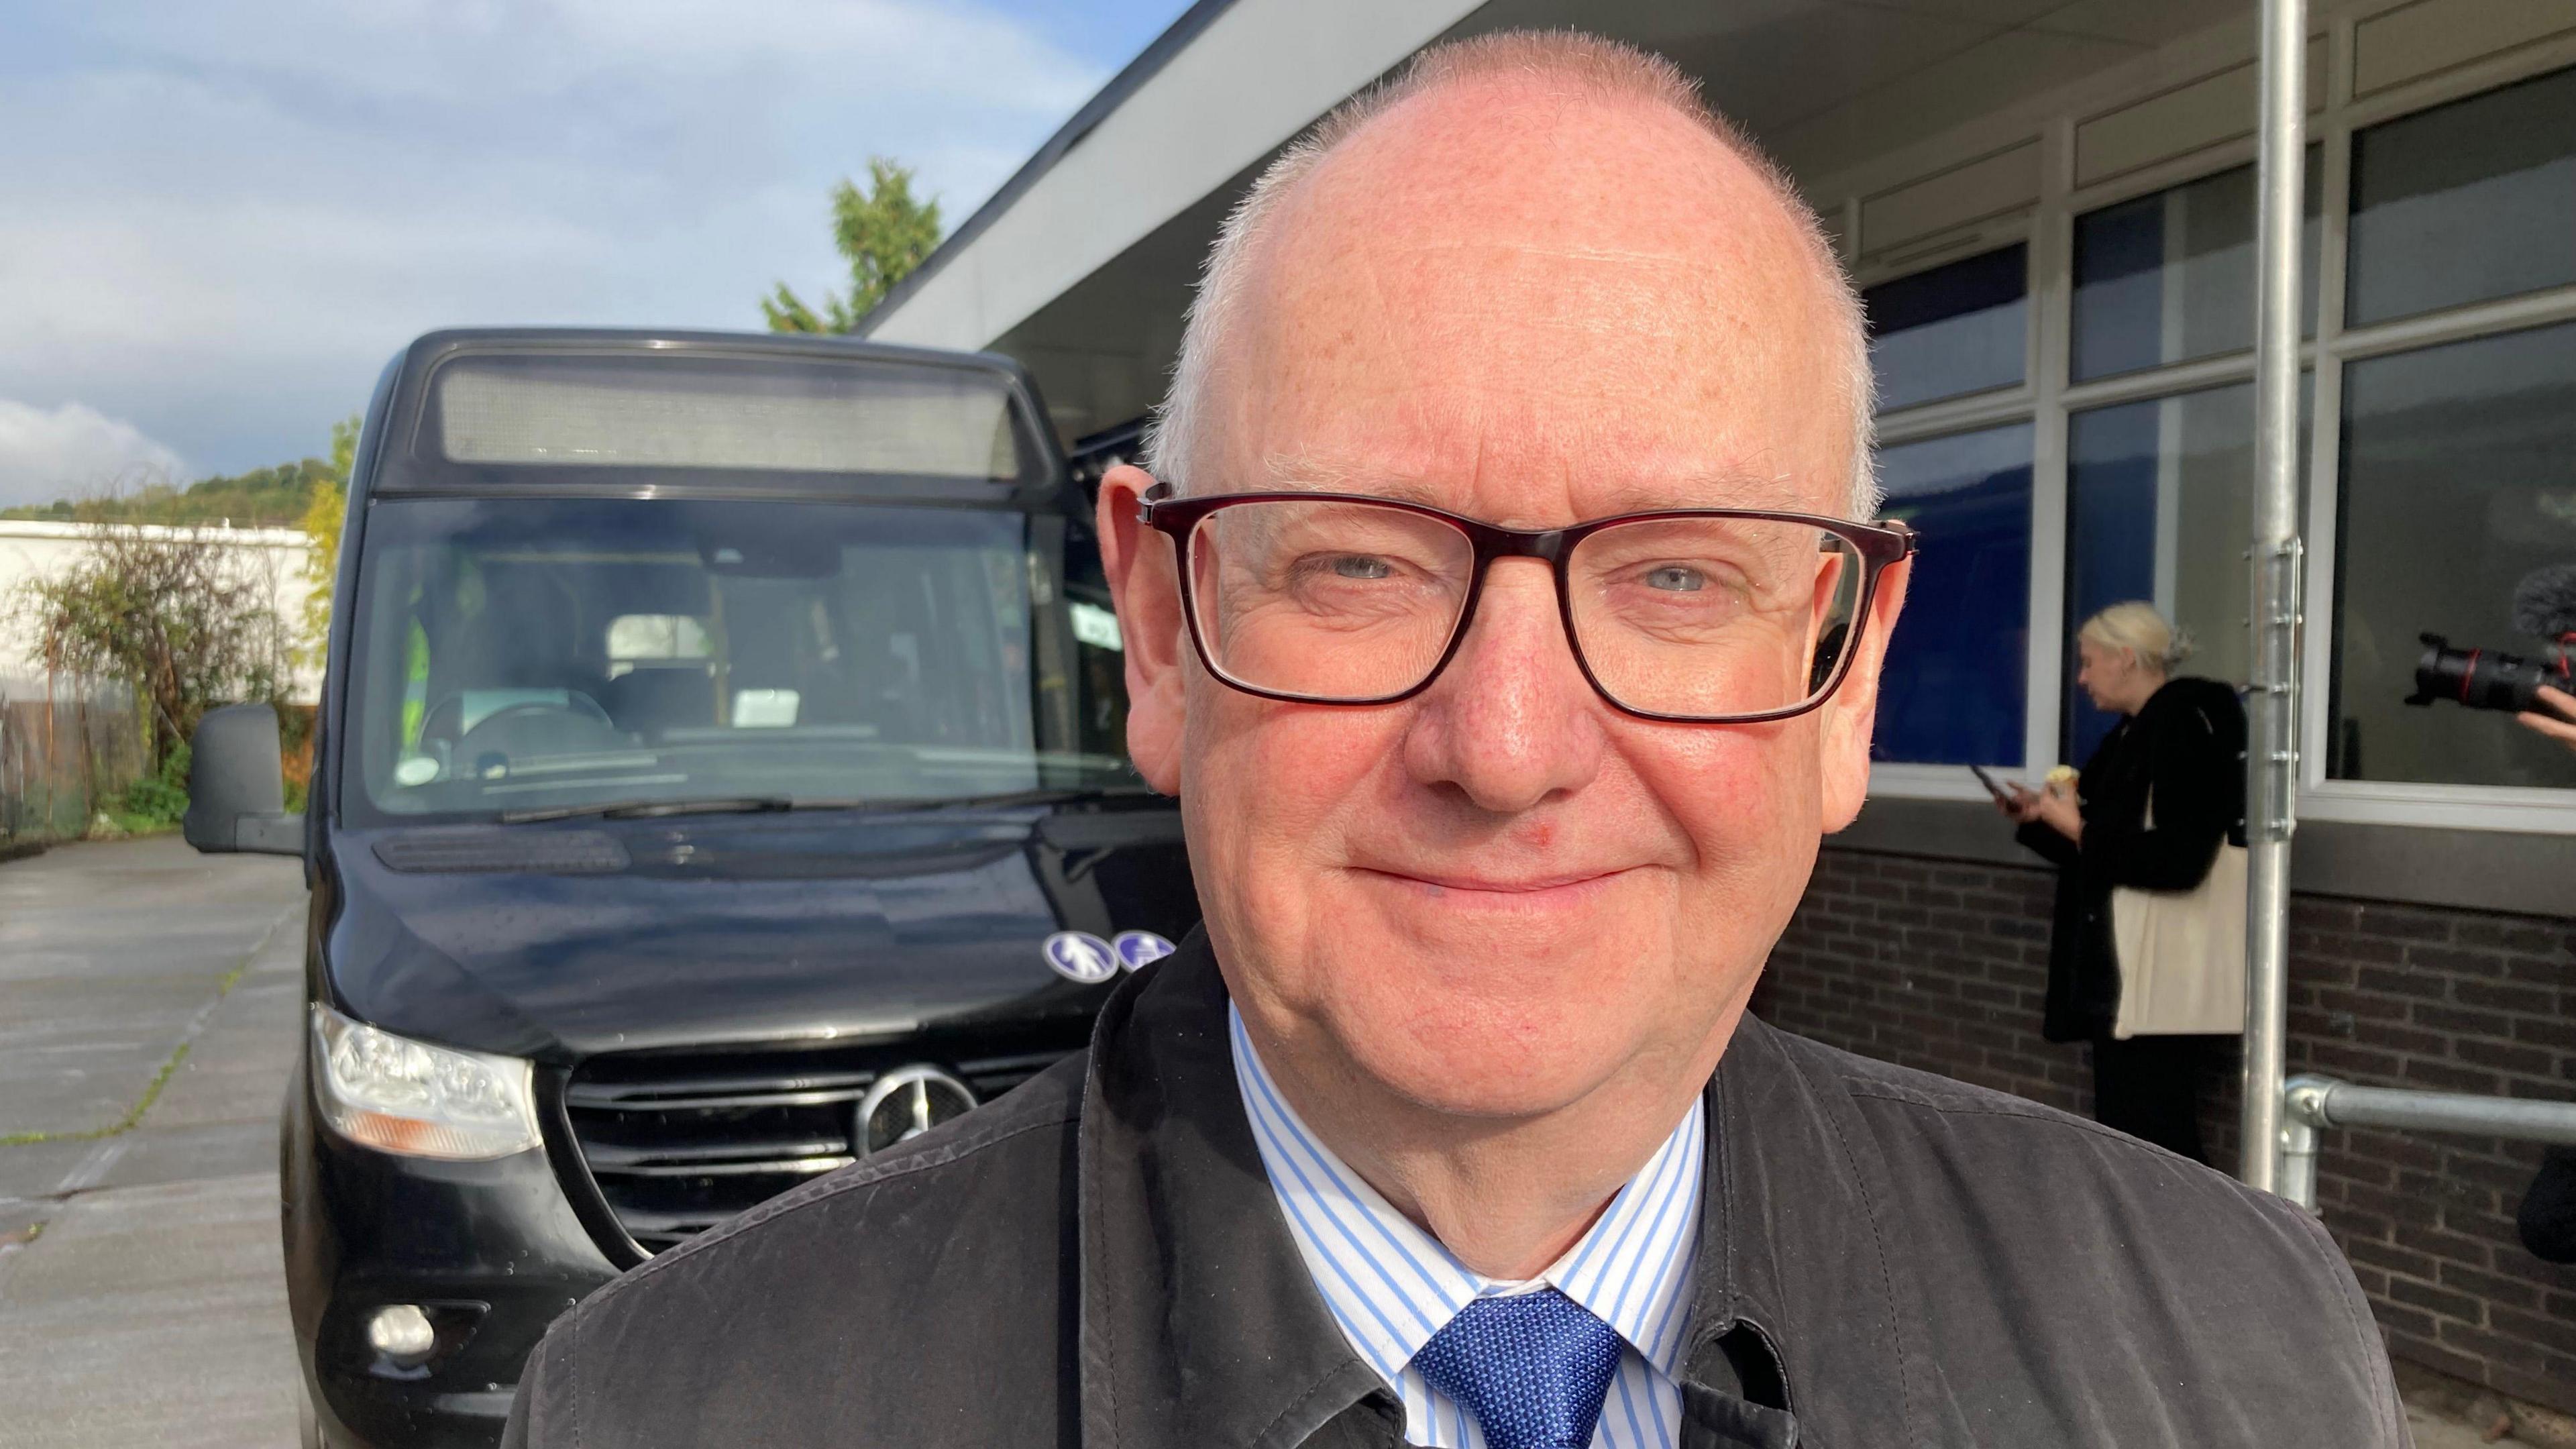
(2048, 397)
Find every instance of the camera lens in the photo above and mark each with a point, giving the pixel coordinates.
(2479, 678)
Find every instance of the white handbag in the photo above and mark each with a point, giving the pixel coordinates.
(2182, 953)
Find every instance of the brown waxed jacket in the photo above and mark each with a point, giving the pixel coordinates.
(1887, 1258)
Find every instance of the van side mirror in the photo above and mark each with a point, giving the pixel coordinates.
(236, 789)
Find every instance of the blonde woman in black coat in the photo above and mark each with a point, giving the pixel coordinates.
(2180, 742)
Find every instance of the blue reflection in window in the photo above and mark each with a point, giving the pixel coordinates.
(2169, 276)
(2119, 288)
(1957, 672)
(1951, 331)
(2112, 457)
(2464, 202)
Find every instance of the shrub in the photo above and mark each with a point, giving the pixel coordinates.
(158, 800)
(177, 613)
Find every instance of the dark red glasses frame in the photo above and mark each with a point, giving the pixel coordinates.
(1878, 546)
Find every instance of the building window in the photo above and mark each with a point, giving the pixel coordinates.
(1958, 668)
(2448, 478)
(2169, 277)
(2159, 506)
(2458, 480)
(1950, 331)
(2465, 202)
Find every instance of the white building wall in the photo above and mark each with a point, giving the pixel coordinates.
(35, 550)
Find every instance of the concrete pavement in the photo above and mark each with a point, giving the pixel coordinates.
(149, 1308)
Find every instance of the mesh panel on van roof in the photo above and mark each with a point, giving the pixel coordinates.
(662, 411)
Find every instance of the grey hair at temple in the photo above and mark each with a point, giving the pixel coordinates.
(1585, 64)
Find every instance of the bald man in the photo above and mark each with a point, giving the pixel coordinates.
(1502, 602)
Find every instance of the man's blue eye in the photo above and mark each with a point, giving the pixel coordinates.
(1360, 566)
(1676, 578)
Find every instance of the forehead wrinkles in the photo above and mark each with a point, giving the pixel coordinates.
(1617, 482)
(1389, 315)
(1377, 362)
(1490, 303)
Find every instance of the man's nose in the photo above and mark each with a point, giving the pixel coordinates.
(1511, 721)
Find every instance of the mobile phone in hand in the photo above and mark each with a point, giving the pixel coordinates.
(1994, 788)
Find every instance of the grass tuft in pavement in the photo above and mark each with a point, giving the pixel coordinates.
(151, 1093)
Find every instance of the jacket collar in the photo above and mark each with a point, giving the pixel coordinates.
(1201, 1327)
(1803, 1283)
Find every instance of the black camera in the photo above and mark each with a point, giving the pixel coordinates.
(2544, 605)
(2485, 678)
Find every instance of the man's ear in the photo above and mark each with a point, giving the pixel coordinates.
(1852, 713)
(1145, 586)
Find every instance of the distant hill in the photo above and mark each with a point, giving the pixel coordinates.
(261, 498)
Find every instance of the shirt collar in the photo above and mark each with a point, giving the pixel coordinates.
(1391, 1286)
(1201, 1325)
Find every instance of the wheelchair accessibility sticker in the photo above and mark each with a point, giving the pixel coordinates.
(1136, 948)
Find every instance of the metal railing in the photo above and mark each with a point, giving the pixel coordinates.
(2309, 1104)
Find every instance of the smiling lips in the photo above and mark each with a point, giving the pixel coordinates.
(1521, 892)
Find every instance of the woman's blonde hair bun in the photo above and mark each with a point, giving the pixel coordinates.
(2136, 627)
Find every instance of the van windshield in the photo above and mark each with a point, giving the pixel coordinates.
(519, 655)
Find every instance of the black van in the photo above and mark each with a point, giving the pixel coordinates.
(720, 777)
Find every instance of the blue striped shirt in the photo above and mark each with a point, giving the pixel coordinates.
(1391, 1286)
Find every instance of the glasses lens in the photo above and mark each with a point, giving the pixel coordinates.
(1714, 617)
(1324, 599)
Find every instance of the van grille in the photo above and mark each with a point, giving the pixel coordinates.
(680, 1141)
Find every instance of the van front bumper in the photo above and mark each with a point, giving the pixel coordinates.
(490, 1252)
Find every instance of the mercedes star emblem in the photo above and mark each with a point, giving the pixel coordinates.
(906, 1102)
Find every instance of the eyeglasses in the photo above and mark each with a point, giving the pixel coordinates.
(1700, 615)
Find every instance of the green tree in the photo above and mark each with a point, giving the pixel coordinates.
(883, 231)
(322, 521)
(180, 614)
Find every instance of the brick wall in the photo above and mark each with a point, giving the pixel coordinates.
(1941, 964)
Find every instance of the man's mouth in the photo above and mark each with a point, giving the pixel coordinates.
(1531, 890)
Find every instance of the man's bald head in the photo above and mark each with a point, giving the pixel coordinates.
(1450, 153)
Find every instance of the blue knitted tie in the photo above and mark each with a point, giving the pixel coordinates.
(1532, 1368)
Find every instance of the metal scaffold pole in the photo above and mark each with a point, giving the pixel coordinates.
(2272, 739)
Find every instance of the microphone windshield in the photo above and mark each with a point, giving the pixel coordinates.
(2544, 603)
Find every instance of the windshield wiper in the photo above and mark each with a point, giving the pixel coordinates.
(651, 809)
(1053, 795)
(764, 804)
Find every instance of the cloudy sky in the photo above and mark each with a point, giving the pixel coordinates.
(219, 218)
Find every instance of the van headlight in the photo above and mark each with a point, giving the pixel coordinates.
(398, 1095)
